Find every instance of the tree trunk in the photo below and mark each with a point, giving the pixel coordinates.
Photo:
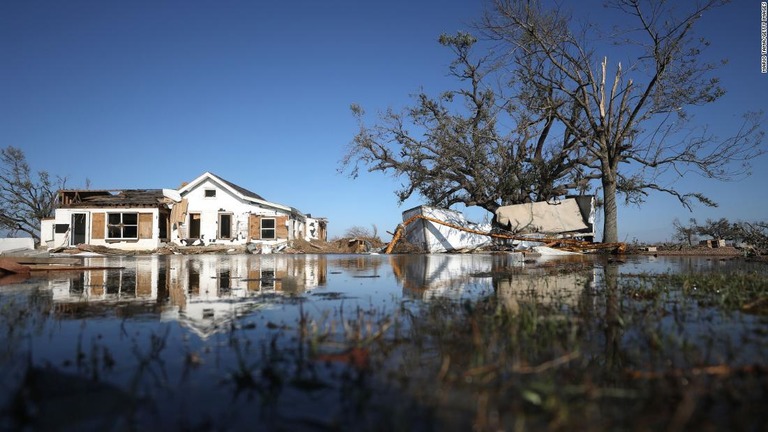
(610, 212)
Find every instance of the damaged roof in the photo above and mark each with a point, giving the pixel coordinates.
(240, 189)
(112, 198)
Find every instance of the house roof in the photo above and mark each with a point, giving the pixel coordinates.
(242, 190)
(235, 189)
(73, 198)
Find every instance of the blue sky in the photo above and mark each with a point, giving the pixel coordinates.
(149, 94)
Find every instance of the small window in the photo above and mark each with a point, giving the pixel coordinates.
(268, 229)
(225, 226)
(122, 225)
(225, 283)
(210, 193)
(267, 279)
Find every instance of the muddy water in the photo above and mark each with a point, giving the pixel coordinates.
(315, 342)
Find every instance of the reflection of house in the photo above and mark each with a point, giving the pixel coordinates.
(513, 283)
(451, 276)
(207, 211)
(543, 287)
(201, 291)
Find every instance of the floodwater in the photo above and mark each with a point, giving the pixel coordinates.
(378, 342)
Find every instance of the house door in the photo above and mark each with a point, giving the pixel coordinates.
(78, 229)
(194, 225)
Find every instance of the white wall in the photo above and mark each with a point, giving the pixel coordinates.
(312, 229)
(64, 216)
(210, 208)
(10, 244)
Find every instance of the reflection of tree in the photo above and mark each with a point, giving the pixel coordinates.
(613, 320)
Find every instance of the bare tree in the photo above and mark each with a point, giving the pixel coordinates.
(358, 231)
(472, 145)
(719, 229)
(631, 118)
(25, 200)
(686, 233)
(754, 235)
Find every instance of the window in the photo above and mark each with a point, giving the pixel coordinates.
(193, 287)
(225, 283)
(267, 279)
(225, 226)
(210, 193)
(122, 225)
(267, 229)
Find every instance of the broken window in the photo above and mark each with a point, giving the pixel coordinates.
(194, 225)
(225, 226)
(267, 228)
(122, 225)
(210, 193)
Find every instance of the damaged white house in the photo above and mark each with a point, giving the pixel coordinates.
(206, 211)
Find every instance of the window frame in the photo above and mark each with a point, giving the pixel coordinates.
(209, 193)
(109, 226)
(262, 229)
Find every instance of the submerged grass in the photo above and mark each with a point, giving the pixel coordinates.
(669, 352)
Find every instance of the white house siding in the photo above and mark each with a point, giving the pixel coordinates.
(96, 235)
(190, 216)
(209, 209)
(315, 229)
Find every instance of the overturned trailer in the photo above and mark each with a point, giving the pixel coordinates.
(526, 225)
(443, 230)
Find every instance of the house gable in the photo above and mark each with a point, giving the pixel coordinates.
(219, 211)
(212, 181)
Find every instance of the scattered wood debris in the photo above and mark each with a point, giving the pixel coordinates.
(29, 265)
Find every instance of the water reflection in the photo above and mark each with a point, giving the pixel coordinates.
(206, 336)
(452, 276)
(205, 287)
(200, 291)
